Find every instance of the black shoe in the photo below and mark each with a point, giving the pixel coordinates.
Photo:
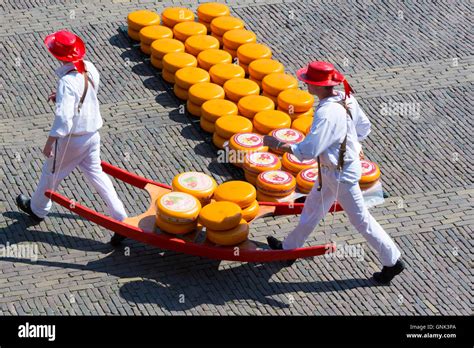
(387, 273)
(24, 203)
(275, 244)
(117, 239)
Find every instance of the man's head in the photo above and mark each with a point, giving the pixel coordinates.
(320, 77)
(320, 91)
(67, 47)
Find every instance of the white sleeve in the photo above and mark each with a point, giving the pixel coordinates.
(64, 113)
(362, 125)
(320, 137)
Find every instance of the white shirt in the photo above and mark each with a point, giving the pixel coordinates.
(68, 95)
(327, 132)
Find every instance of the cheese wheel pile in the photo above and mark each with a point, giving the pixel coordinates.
(182, 31)
(160, 48)
(260, 68)
(370, 174)
(295, 102)
(186, 77)
(293, 165)
(251, 105)
(151, 33)
(197, 43)
(241, 193)
(227, 126)
(207, 12)
(233, 39)
(273, 185)
(222, 72)
(211, 110)
(238, 87)
(197, 184)
(275, 83)
(288, 136)
(223, 24)
(172, 62)
(306, 179)
(269, 120)
(174, 15)
(139, 19)
(177, 212)
(243, 143)
(258, 162)
(201, 92)
(302, 124)
(249, 52)
(208, 58)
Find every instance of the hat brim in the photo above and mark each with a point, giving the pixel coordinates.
(302, 76)
(79, 49)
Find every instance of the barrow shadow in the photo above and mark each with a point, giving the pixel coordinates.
(191, 132)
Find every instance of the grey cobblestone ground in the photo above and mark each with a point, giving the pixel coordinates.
(414, 52)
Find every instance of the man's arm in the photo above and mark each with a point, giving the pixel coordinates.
(363, 124)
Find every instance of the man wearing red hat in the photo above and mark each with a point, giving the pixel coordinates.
(74, 140)
(334, 139)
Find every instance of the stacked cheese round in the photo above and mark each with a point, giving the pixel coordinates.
(239, 87)
(306, 179)
(182, 31)
(139, 19)
(273, 185)
(208, 58)
(186, 77)
(241, 193)
(177, 212)
(222, 72)
(295, 102)
(227, 126)
(161, 47)
(174, 15)
(207, 12)
(288, 136)
(211, 110)
(223, 24)
(275, 83)
(370, 174)
(302, 124)
(151, 33)
(260, 68)
(235, 38)
(201, 92)
(251, 105)
(258, 162)
(197, 43)
(243, 143)
(172, 62)
(269, 120)
(249, 52)
(292, 164)
(197, 184)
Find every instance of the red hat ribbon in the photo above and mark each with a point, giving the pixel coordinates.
(79, 65)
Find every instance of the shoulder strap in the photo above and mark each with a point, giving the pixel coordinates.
(86, 87)
(343, 147)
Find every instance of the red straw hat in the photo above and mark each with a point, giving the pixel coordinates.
(65, 46)
(323, 74)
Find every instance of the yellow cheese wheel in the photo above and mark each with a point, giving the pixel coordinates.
(292, 164)
(156, 62)
(237, 37)
(239, 192)
(287, 135)
(268, 120)
(218, 141)
(169, 227)
(262, 197)
(251, 178)
(207, 126)
(198, 43)
(168, 76)
(275, 83)
(222, 24)
(219, 38)
(370, 172)
(239, 87)
(133, 34)
(188, 76)
(161, 47)
(178, 207)
(260, 68)
(177, 60)
(204, 91)
(276, 183)
(260, 161)
(229, 237)
(296, 115)
(272, 97)
(181, 93)
(138, 19)
(145, 48)
(211, 110)
(208, 11)
(258, 82)
(174, 15)
(184, 30)
(368, 185)
(303, 124)
(208, 58)
(155, 32)
(232, 52)
(220, 216)
(295, 100)
(220, 73)
(252, 51)
(251, 105)
(251, 212)
(247, 142)
(206, 24)
(197, 184)
(227, 126)
(192, 108)
(306, 179)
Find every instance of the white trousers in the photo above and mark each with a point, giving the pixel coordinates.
(350, 198)
(83, 152)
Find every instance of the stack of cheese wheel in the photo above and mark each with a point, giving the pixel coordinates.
(172, 62)
(177, 212)
(224, 223)
(275, 185)
(186, 77)
(269, 120)
(222, 72)
(249, 52)
(260, 68)
(288, 136)
(223, 24)
(241, 193)
(370, 174)
(211, 110)
(201, 92)
(258, 162)
(197, 184)
(251, 105)
(235, 38)
(275, 83)
(207, 12)
(161, 47)
(296, 103)
(152, 33)
(292, 164)
(182, 31)
(306, 179)
(198, 43)
(239, 87)
(208, 58)
(302, 124)
(227, 126)
(243, 143)
(174, 15)
(139, 19)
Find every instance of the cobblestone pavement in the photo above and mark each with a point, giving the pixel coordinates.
(412, 67)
